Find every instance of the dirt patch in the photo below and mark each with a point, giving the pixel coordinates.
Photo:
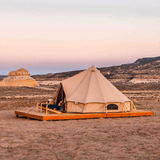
(110, 138)
(17, 97)
(133, 138)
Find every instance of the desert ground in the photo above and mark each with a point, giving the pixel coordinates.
(135, 138)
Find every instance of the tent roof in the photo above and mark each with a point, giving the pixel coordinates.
(90, 86)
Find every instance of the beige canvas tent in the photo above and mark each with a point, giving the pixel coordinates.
(90, 91)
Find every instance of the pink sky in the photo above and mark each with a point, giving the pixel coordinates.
(48, 36)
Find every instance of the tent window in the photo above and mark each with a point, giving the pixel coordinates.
(112, 107)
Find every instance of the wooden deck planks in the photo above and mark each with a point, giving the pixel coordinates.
(131, 114)
(67, 116)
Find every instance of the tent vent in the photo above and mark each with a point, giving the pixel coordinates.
(93, 71)
(112, 107)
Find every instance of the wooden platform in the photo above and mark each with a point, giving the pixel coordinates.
(68, 116)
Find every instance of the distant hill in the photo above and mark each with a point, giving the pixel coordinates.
(146, 60)
(143, 70)
(2, 76)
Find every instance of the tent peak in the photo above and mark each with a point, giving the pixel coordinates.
(93, 68)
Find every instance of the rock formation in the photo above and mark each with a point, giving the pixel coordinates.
(21, 77)
(19, 72)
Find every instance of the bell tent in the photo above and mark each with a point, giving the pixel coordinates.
(89, 91)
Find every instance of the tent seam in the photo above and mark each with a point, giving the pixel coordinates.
(88, 86)
(100, 88)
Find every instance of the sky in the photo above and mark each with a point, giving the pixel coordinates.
(49, 36)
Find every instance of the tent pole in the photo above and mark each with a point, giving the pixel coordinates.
(122, 107)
